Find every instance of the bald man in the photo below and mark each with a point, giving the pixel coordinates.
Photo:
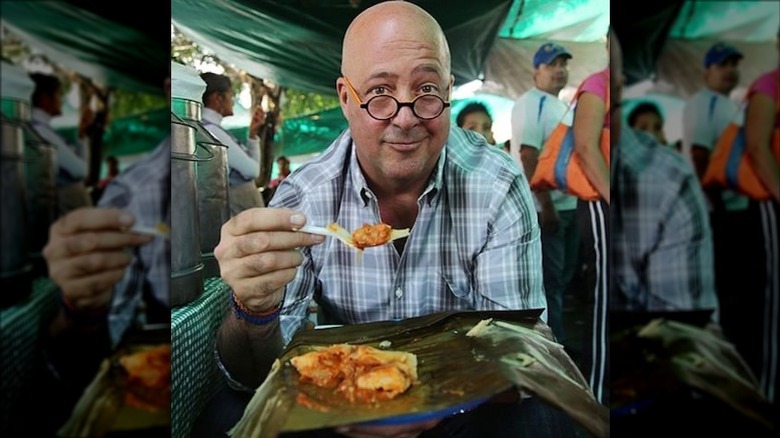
(474, 243)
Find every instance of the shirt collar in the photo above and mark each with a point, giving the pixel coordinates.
(41, 116)
(212, 116)
(544, 93)
(364, 192)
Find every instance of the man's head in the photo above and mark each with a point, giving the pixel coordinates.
(113, 165)
(721, 68)
(219, 93)
(647, 117)
(551, 72)
(284, 165)
(396, 49)
(47, 95)
(475, 117)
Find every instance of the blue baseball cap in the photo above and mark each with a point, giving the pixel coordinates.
(719, 52)
(548, 52)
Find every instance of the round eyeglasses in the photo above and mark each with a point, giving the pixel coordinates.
(385, 107)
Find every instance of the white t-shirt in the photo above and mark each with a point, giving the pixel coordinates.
(534, 116)
(705, 116)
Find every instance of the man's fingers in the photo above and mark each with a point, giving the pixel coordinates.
(263, 219)
(96, 262)
(66, 246)
(261, 242)
(90, 219)
(260, 264)
(92, 291)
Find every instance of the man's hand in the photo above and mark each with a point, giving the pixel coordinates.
(403, 431)
(257, 254)
(258, 120)
(86, 254)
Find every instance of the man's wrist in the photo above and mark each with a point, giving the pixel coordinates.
(258, 317)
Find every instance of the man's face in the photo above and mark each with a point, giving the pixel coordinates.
(480, 122)
(553, 77)
(388, 59)
(723, 77)
(226, 103)
(52, 104)
(284, 166)
(652, 124)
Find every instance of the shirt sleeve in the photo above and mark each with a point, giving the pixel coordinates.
(679, 267)
(67, 158)
(766, 84)
(239, 159)
(508, 271)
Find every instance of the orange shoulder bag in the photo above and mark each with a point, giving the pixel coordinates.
(559, 167)
(730, 166)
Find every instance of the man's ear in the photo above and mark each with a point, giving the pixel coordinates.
(449, 88)
(341, 90)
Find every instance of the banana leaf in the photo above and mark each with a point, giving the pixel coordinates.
(101, 409)
(456, 373)
(706, 361)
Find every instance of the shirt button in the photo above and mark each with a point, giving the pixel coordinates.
(399, 293)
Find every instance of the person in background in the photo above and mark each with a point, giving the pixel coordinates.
(284, 171)
(71, 159)
(647, 117)
(475, 117)
(735, 219)
(591, 119)
(760, 344)
(534, 116)
(243, 158)
(283, 164)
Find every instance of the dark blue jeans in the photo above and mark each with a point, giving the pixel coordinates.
(560, 257)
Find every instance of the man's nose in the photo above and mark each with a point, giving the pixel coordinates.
(405, 119)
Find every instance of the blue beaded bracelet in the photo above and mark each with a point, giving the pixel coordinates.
(254, 319)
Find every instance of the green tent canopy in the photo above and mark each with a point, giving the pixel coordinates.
(99, 40)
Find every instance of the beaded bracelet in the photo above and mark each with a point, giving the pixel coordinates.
(257, 318)
(80, 317)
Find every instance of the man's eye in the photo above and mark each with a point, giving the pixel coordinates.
(378, 90)
(428, 89)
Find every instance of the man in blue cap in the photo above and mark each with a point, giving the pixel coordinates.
(735, 220)
(534, 116)
(708, 112)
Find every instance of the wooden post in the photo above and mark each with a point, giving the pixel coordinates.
(96, 129)
(273, 93)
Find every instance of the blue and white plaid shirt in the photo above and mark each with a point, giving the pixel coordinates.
(661, 241)
(475, 244)
(144, 190)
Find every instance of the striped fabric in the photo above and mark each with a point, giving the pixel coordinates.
(475, 244)
(662, 240)
(194, 375)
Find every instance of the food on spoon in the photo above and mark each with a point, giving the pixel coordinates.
(371, 235)
(163, 228)
(361, 373)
